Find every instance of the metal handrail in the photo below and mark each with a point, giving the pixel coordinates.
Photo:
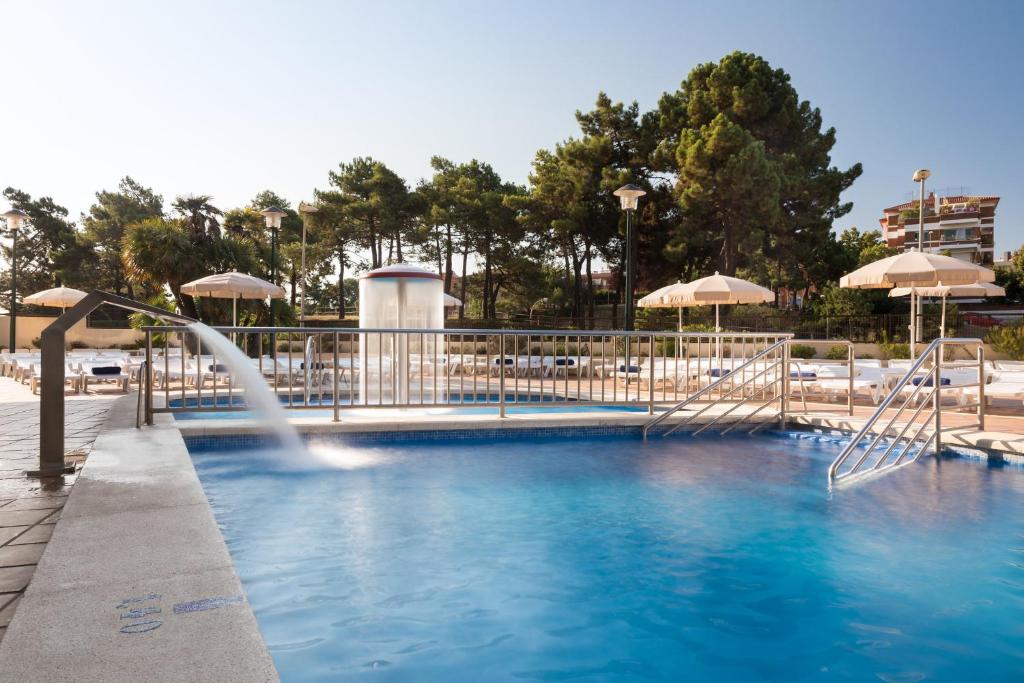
(468, 332)
(449, 368)
(710, 387)
(933, 352)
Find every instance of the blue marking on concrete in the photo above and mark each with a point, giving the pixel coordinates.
(206, 604)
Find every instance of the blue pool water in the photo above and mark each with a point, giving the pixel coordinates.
(604, 559)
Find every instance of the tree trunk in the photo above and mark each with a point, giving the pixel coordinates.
(292, 280)
(728, 256)
(374, 249)
(462, 283)
(448, 259)
(488, 313)
(341, 284)
(590, 291)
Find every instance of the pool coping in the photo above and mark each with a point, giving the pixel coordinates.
(137, 581)
(1003, 443)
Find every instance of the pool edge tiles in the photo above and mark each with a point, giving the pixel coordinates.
(202, 441)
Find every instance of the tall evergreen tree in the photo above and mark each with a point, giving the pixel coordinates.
(753, 165)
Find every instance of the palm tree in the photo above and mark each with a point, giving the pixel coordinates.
(199, 214)
(161, 252)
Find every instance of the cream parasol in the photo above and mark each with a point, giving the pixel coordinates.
(916, 269)
(656, 299)
(233, 286)
(59, 297)
(978, 289)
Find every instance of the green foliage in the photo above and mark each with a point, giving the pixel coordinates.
(802, 351)
(139, 320)
(103, 231)
(892, 350)
(1008, 339)
(837, 301)
(49, 253)
(161, 252)
(753, 168)
(837, 352)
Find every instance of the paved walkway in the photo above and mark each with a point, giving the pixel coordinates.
(29, 508)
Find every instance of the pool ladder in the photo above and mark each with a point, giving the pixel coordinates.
(768, 379)
(901, 450)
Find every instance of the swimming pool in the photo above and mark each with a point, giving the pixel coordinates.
(601, 558)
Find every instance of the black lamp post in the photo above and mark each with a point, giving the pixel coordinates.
(629, 196)
(273, 216)
(15, 219)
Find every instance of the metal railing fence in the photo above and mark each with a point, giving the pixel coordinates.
(899, 435)
(340, 369)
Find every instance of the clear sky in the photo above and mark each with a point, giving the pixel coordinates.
(229, 98)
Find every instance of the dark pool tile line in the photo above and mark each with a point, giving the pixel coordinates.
(230, 442)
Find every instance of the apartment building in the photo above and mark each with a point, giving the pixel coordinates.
(962, 226)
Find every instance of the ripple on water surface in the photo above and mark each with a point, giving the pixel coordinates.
(603, 559)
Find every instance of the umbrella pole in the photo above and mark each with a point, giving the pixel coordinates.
(942, 325)
(679, 328)
(913, 329)
(718, 338)
(234, 314)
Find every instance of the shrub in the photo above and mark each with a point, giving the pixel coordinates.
(295, 346)
(837, 352)
(78, 345)
(1008, 339)
(801, 351)
(890, 350)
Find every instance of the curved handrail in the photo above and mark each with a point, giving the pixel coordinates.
(727, 377)
(887, 402)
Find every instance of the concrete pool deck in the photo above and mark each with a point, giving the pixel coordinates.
(136, 579)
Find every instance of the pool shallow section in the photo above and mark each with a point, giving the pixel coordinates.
(595, 557)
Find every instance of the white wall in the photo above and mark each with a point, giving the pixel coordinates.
(30, 327)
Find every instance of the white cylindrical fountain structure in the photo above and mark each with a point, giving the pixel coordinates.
(395, 369)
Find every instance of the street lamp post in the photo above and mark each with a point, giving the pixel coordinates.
(920, 175)
(273, 216)
(306, 210)
(629, 196)
(15, 219)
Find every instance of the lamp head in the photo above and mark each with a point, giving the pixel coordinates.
(273, 216)
(308, 208)
(629, 195)
(16, 218)
(921, 174)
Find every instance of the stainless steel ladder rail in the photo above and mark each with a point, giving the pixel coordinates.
(864, 465)
(781, 345)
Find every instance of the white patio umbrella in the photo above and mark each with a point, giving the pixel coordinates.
(717, 290)
(656, 299)
(61, 297)
(234, 286)
(985, 289)
(451, 302)
(916, 269)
